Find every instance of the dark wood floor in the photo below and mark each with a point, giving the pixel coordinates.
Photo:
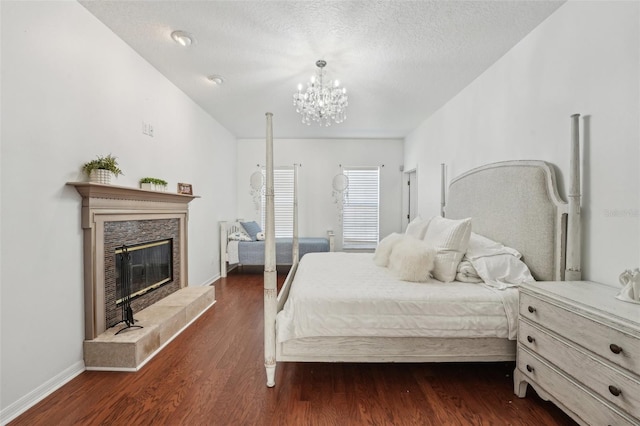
(212, 374)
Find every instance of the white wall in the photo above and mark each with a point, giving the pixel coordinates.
(72, 90)
(583, 59)
(321, 159)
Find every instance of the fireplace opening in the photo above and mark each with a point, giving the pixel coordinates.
(151, 267)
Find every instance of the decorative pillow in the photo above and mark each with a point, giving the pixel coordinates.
(239, 236)
(383, 250)
(450, 239)
(260, 236)
(417, 227)
(481, 246)
(412, 260)
(466, 272)
(252, 229)
(502, 270)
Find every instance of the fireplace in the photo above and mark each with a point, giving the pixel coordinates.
(152, 264)
(146, 240)
(113, 217)
(152, 227)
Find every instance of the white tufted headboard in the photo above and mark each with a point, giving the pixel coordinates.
(517, 204)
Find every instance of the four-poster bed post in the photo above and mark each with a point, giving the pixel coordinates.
(572, 269)
(295, 249)
(273, 303)
(270, 273)
(443, 184)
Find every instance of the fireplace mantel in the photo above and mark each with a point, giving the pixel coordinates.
(114, 192)
(110, 203)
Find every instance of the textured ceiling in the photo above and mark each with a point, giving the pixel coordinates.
(399, 60)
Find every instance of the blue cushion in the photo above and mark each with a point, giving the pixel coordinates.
(252, 228)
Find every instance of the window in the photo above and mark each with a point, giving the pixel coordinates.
(360, 213)
(282, 200)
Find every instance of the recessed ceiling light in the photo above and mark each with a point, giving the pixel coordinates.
(216, 79)
(182, 38)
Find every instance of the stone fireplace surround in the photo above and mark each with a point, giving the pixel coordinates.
(103, 205)
(132, 233)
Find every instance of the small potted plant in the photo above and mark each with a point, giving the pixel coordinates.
(101, 169)
(153, 184)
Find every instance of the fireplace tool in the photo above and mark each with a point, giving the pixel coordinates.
(125, 288)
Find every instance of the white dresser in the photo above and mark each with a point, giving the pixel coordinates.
(579, 347)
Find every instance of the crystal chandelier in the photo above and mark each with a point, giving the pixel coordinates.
(323, 101)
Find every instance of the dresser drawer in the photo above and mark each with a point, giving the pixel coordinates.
(590, 408)
(618, 347)
(595, 373)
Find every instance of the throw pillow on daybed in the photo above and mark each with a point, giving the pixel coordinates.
(412, 260)
(239, 236)
(383, 250)
(252, 229)
(449, 238)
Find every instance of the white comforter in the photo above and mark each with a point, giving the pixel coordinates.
(346, 294)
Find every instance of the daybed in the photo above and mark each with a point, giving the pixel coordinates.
(356, 311)
(238, 248)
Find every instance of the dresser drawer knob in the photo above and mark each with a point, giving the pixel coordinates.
(530, 370)
(531, 309)
(615, 348)
(615, 391)
(530, 339)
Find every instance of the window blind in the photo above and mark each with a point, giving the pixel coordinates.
(360, 213)
(282, 200)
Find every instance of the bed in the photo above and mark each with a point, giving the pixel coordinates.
(515, 203)
(238, 248)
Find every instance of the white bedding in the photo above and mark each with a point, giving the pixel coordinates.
(346, 294)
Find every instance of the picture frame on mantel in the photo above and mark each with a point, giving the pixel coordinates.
(185, 189)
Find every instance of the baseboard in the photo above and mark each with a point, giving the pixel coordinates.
(207, 282)
(41, 392)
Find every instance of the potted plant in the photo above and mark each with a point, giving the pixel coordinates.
(101, 169)
(153, 184)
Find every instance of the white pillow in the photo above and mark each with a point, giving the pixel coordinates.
(383, 250)
(480, 246)
(417, 227)
(412, 260)
(239, 236)
(502, 270)
(450, 239)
